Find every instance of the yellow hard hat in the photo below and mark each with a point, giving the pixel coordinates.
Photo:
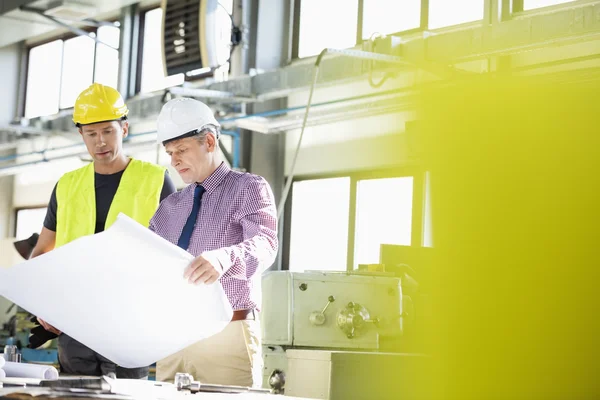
(98, 103)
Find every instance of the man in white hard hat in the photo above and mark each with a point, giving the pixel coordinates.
(228, 220)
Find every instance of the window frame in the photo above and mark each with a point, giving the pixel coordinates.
(418, 206)
(63, 37)
(510, 9)
(517, 7)
(297, 6)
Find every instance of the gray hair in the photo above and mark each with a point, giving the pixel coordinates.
(209, 128)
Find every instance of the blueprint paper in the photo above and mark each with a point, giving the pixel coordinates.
(120, 292)
(2, 361)
(2, 374)
(23, 370)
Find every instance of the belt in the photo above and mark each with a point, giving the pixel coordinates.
(240, 315)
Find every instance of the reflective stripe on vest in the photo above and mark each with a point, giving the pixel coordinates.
(137, 196)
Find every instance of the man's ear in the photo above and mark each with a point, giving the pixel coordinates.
(211, 142)
(80, 131)
(125, 126)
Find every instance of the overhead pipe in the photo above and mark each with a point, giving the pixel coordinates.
(69, 146)
(233, 133)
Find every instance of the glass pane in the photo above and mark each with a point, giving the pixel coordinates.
(153, 72)
(43, 79)
(446, 13)
(78, 69)
(531, 4)
(319, 231)
(330, 23)
(383, 216)
(106, 69)
(390, 16)
(30, 221)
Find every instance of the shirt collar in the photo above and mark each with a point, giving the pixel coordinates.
(215, 179)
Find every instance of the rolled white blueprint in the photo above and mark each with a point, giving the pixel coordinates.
(151, 311)
(2, 360)
(2, 374)
(24, 370)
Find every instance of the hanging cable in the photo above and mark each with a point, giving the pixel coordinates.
(386, 75)
(236, 35)
(288, 184)
(349, 53)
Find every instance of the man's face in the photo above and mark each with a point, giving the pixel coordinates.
(104, 140)
(192, 158)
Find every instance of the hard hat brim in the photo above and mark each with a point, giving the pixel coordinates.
(79, 124)
(185, 135)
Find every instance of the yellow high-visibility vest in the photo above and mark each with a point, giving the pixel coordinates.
(137, 196)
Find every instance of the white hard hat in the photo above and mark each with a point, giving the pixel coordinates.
(181, 117)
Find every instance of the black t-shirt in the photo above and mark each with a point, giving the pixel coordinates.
(106, 187)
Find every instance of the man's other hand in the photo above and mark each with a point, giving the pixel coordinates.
(48, 327)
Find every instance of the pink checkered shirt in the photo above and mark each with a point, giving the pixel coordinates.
(236, 226)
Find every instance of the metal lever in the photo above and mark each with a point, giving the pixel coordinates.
(318, 317)
(186, 382)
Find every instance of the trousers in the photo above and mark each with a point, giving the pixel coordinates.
(231, 357)
(77, 359)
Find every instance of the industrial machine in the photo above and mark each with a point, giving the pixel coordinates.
(313, 320)
(351, 334)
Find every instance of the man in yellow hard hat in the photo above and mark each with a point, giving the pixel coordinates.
(87, 201)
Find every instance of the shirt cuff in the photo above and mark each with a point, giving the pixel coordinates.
(218, 258)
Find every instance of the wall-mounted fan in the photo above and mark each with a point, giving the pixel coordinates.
(197, 35)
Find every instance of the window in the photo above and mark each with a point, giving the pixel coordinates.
(153, 71)
(383, 216)
(58, 71)
(43, 79)
(340, 223)
(319, 225)
(106, 69)
(77, 70)
(330, 23)
(335, 23)
(29, 221)
(444, 13)
(390, 16)
(531, 4)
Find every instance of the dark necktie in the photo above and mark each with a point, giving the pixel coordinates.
(184, 239)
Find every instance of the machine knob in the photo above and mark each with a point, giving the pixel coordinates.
(353, 319)
(317, 318)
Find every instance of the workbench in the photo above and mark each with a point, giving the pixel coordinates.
(117, 389)
(29, 394)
